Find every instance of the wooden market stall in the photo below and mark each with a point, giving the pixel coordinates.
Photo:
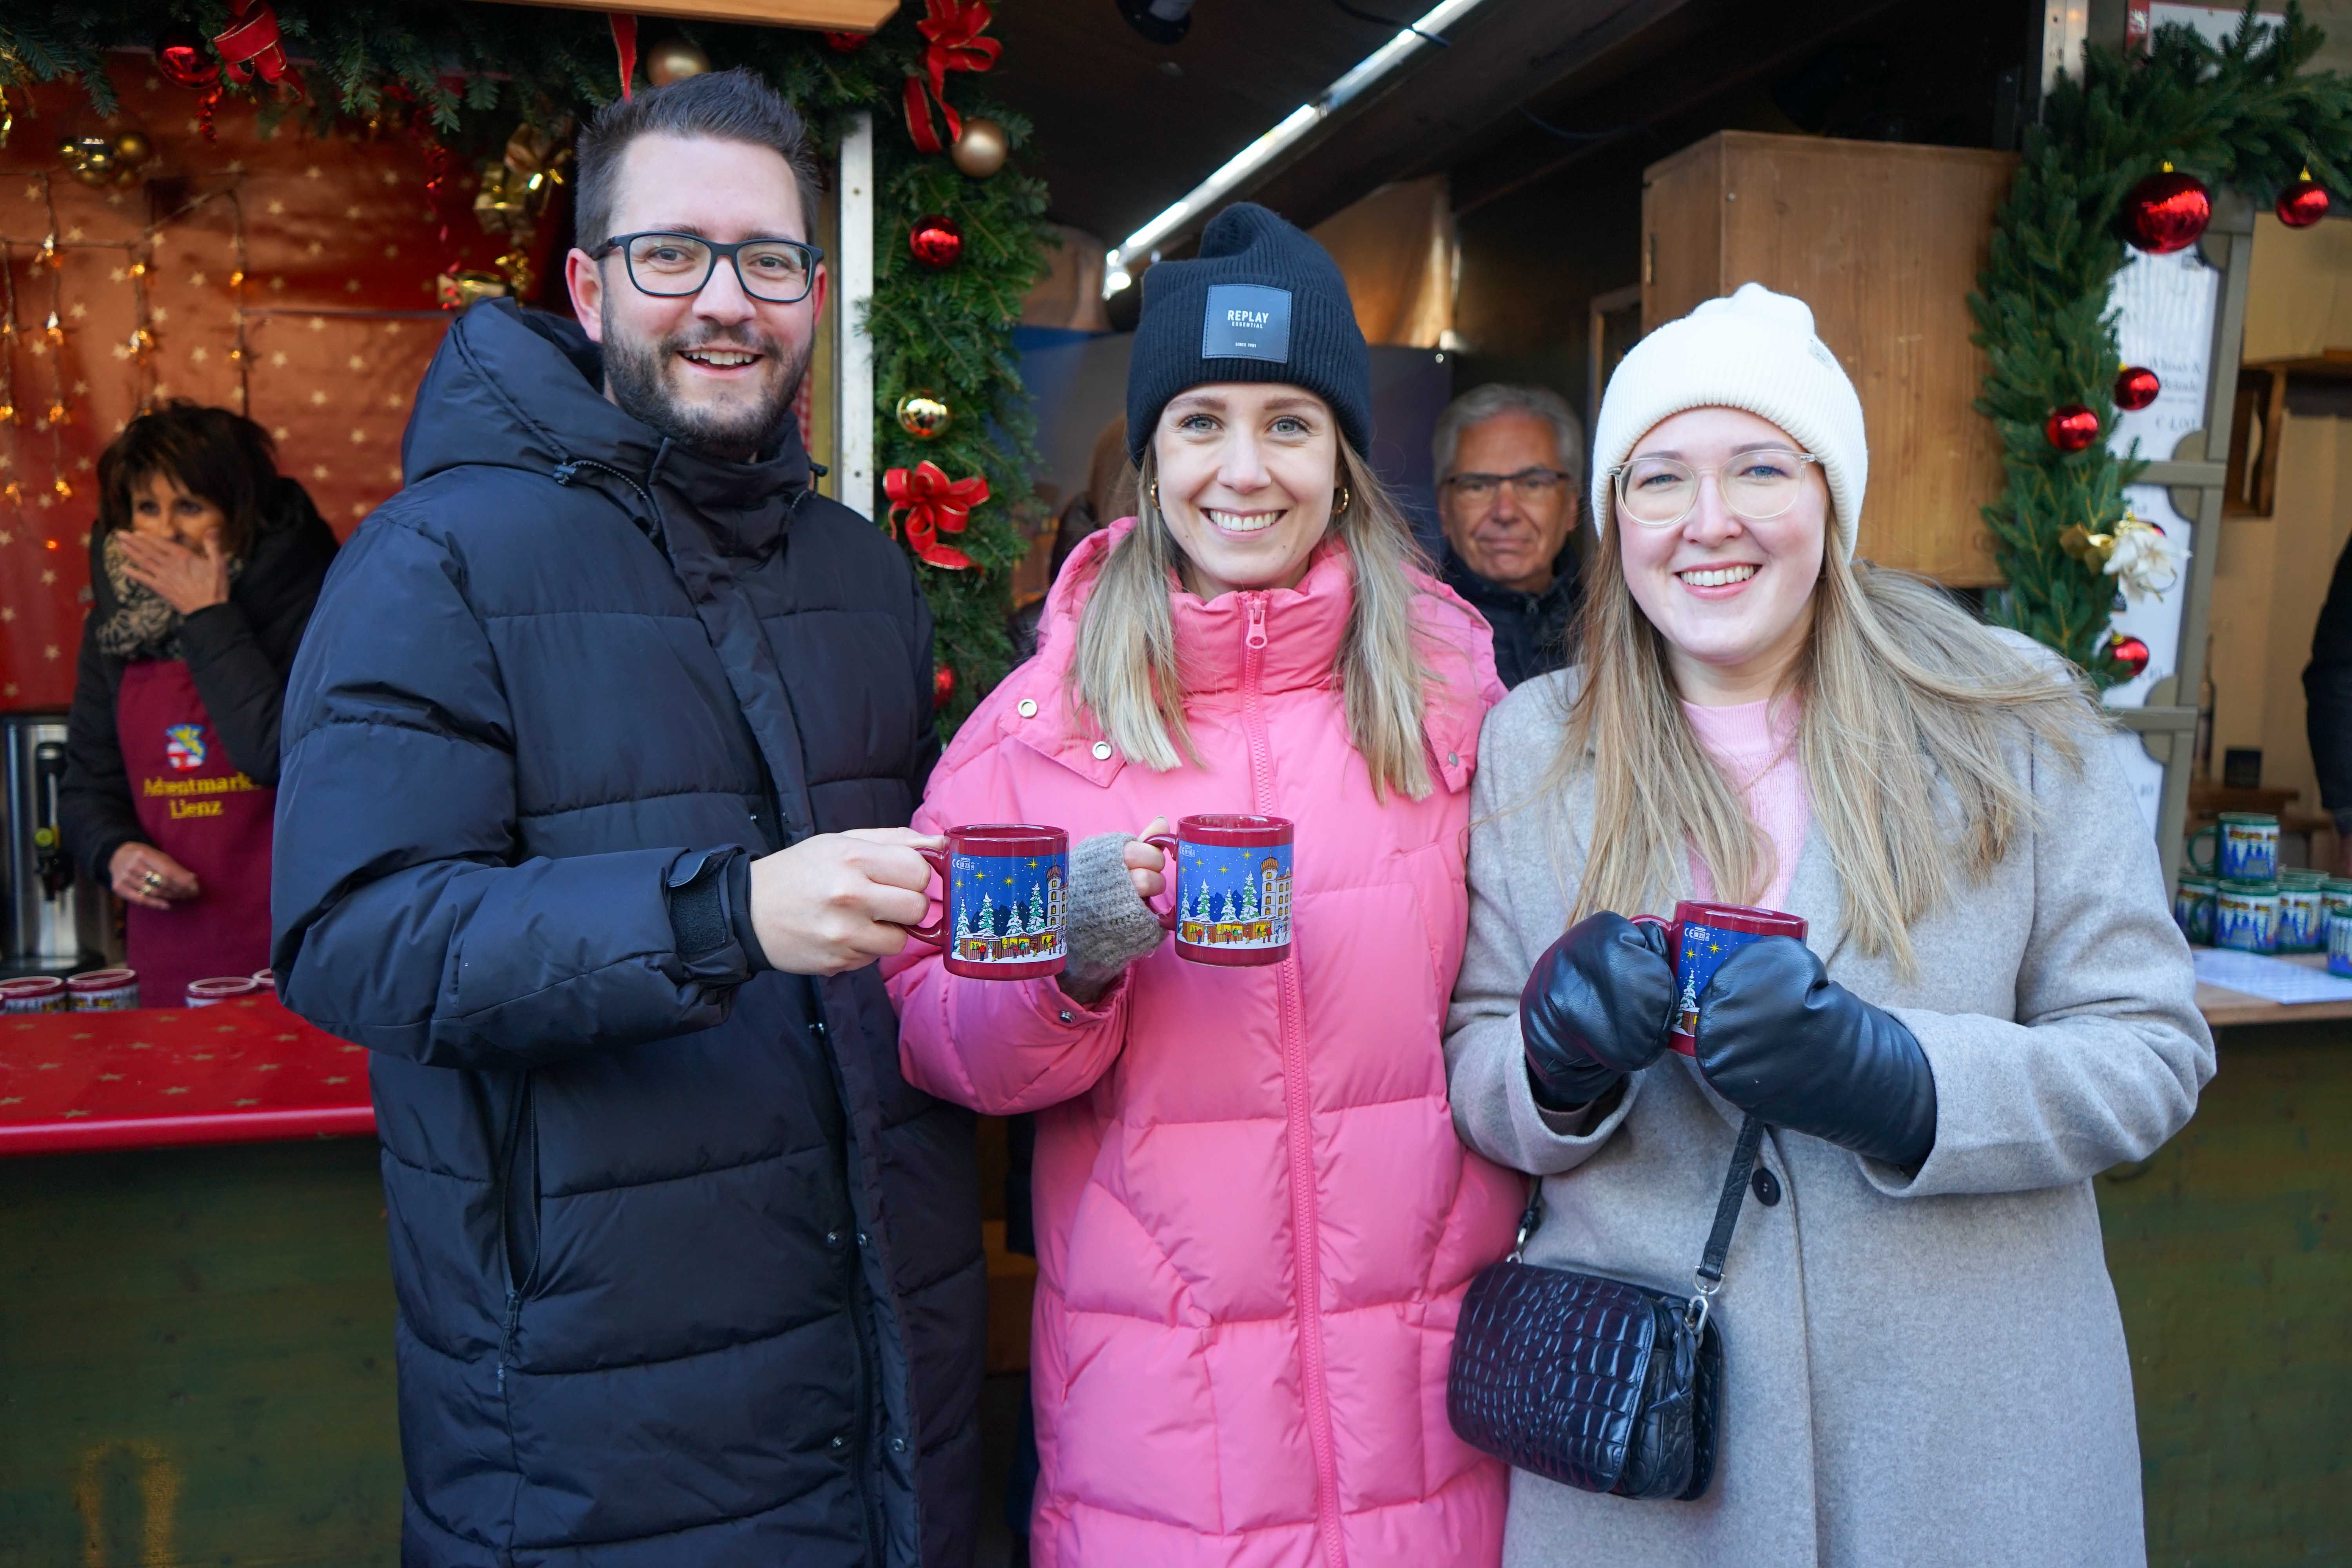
(195, 1342)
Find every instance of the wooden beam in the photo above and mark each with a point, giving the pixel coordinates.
(827, 16)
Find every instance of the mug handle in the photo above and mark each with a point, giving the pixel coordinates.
(2215, 829)
(1663, 924)
(935, 933)
(1166, 844)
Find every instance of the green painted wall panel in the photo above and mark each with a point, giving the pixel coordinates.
(2233, 1267)
(195, 1359)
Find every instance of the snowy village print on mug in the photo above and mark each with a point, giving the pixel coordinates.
(1699, 939)
(1233, 888)
(1001, 914)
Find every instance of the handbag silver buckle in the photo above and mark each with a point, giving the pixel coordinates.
(1694, 1311)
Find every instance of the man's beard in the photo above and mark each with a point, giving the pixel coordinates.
(638, 374)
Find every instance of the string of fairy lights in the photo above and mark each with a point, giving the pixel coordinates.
(49, 342)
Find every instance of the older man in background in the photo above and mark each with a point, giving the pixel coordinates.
(1510, 474)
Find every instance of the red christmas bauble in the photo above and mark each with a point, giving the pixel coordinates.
(2167, 212)
(846, 43)
(184, 59)
(2071, 428)
(942, 684)
(2129, 652)
(2303, 204)
(936, 241)
(2137, 388)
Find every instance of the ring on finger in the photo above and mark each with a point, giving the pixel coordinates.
(152, 878)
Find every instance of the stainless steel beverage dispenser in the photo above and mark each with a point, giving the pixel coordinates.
(56, 920)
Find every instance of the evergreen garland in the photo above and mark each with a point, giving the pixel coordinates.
(2239, 116)
(472, 72)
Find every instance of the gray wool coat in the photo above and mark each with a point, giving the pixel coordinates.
(1920, 1370)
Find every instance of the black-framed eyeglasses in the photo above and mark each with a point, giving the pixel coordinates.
(1528, 484)
(671, 266)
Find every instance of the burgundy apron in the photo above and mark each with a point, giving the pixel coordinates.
(200, 810)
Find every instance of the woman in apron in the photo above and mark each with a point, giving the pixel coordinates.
(203, 567)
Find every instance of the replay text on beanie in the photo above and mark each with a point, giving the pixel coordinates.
(1261, 302)
(1755, 350)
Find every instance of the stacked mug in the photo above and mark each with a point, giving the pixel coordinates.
(2302, 911)
(2248, 914)
(2193, 906)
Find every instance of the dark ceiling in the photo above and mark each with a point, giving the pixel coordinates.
(1124, 127)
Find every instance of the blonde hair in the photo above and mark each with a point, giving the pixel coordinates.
(1127, 674)
(1907, 706)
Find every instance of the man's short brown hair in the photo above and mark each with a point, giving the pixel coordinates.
(728, 106)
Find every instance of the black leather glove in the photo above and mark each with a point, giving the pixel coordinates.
(1597, 1006)
(1778, 1037)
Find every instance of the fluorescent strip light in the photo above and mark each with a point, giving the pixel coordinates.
(1279, 140)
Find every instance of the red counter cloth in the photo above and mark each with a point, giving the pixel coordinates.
(242, 1072)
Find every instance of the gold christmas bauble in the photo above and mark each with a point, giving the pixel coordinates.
(924, 414)
(673, 59)
(980, 151)
(91, 158)
(133, 147)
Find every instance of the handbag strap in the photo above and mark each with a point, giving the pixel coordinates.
(1709, 1274)
(1727, 1207)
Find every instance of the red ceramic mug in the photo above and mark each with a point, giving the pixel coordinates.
(1002, 901)
(1231, 876)
(1699, 939)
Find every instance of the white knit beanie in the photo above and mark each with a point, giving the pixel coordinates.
(1754, 351)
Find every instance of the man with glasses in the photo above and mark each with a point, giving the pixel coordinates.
(592, 822)
(1510, 468)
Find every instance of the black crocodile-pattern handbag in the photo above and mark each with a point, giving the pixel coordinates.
(1594, 1382)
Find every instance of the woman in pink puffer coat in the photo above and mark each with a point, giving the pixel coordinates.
(1255, 1221)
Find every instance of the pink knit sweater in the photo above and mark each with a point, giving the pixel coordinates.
(1756, 748)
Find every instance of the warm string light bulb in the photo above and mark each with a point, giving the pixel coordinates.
(53, 330)
(59, 413)
(49, 255)
(65, 490)
(138, 269)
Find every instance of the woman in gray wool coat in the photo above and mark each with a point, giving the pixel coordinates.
(1924, 1360)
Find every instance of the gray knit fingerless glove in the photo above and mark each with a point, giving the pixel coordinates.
(1110, 926)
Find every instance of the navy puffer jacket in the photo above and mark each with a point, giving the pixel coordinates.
(687, 1273)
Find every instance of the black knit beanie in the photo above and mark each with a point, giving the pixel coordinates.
(1261, 302)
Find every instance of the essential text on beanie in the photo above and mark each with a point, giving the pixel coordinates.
(1754, 351)
(1261, 302)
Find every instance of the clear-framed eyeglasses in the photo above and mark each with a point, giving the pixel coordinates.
(672, 266)
(1537, 485)
(1757, 486)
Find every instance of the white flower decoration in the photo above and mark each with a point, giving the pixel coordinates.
(2143, 562)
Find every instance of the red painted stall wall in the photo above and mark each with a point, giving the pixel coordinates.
(341, 245)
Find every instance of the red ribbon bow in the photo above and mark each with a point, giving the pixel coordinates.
(250, 47)
(934, 505)
(953, 29)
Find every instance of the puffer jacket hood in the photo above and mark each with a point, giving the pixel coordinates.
(686, 1271)
(495, 396)
(1255, 1221)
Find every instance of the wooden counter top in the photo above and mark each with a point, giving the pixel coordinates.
(243, 1072)
(2223, 1008)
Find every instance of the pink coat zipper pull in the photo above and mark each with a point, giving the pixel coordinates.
(1256, 603)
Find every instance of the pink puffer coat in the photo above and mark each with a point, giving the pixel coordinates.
(1254, 1223)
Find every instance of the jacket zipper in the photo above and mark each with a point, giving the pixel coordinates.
(1298, 1119)
(519, 1126)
